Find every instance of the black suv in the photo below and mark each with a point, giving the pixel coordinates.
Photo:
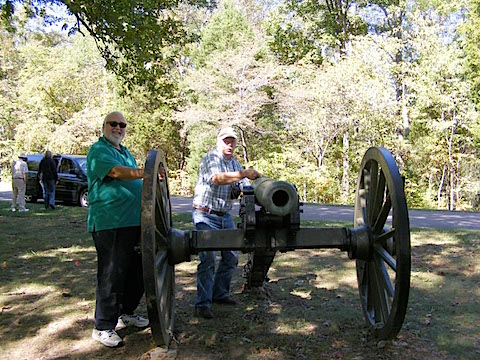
(72, 179)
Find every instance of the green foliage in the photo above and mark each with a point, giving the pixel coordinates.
(201, 139)
(444, 116)
(10, 64)
(63, 89)
(57, 77)
(226, 30)
(6, 12)
(470, 31)
(309, 86)
(313, 30)
(232, 85)
(313, 184)
(154, 131)
(139, 40)
(288, 41)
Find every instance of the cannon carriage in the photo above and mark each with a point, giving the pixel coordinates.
(270, 211)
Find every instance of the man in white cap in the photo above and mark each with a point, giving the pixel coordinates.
(212, 202)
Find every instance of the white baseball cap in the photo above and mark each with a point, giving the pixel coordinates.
(226, 133)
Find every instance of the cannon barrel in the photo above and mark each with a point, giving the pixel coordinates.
(277, 197)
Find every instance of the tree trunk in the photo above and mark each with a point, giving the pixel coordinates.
(452, 191)
(451, 202)
(244, 145)
(440, 187)
(346, 166)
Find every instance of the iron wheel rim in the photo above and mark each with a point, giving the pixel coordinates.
(158, 274)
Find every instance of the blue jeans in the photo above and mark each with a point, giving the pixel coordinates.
(213, 284)
(49, 193)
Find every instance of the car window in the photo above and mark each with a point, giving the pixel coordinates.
(82, 162)
(66, 165)
(32, 165)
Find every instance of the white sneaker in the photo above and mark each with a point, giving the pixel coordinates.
(13, 209)
(132, 320)
(23, 210)
(107, 337)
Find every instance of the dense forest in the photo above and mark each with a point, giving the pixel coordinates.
(310, 85)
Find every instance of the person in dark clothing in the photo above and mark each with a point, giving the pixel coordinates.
(47, 174)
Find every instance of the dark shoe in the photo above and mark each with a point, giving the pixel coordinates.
(52, 207)
(204, 312)
(226, 300)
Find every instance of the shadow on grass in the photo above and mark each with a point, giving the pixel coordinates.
(48, 281)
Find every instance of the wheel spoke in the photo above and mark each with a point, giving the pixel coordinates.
(165, 284)
(379, 195)
(161, 239)
(372, 191)
(380, 205)
(382, 216)
(366, 188)
(360, 217)
(372, 301)
(161, 266)
(383, 237)
(160, 214)
(385, 256)
(363, 284)
(379, 294)
(384, 277)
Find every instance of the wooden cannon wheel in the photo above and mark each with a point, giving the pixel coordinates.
(158, 274)
(383, 268)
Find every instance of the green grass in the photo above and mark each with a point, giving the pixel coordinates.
(47, 299)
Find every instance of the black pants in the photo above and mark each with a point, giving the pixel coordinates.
(119, 274)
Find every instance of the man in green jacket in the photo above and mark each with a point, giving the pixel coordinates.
(114, 212)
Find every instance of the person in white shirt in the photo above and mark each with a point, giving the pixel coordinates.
(19, 183)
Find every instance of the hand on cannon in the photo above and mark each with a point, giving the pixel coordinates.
(161, 173)
(251, 174)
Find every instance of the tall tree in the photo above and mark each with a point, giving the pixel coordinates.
(350, 100)
(470, 29)
(63, 90)
(229, 82)
(443, 115)
(139, 40)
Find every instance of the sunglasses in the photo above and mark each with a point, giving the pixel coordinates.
(114, 124)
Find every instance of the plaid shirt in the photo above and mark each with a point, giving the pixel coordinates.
(207, 194)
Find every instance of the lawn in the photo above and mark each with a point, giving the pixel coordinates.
(47, 293)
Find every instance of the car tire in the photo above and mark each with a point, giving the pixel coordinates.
(30, 199)
(83, 198)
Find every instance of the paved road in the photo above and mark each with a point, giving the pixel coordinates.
(418, 218)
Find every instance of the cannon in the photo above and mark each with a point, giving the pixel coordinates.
(270, 211)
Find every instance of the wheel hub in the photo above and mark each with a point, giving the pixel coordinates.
(361, 243)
